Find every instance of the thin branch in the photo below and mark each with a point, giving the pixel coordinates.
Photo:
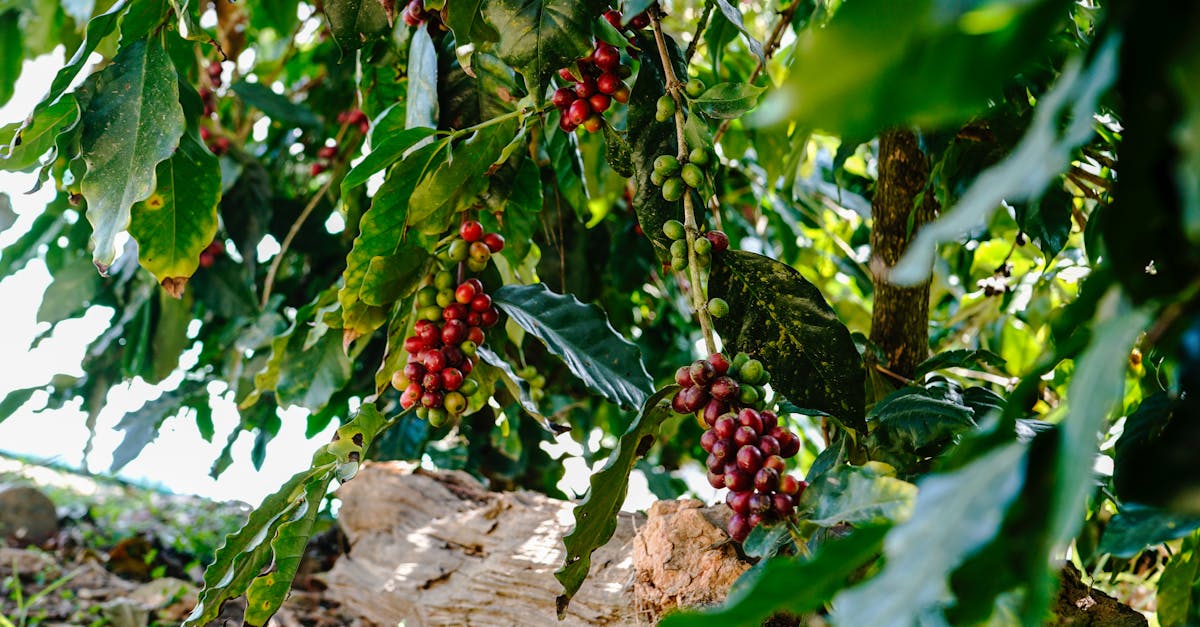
(269, 283)
(691, 229)
(704, 17)
(785, 19)
(899, 377)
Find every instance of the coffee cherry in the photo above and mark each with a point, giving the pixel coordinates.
(563, 97)
(739, 527)
(600, 102)
(713, 410)
(455, 311)
(739, 480)
(789, 446)
(678, 264)
(768, 445)
(703, 246)
(749, 395)
(722, 449)
(672, 189)
(327, 152)
(760, 503)
(431, 399)
(413, 371)
(744, 436)
(683, 377)
(694, 399)
(434, 361)
(586, 87)
(455, 403)
(739, 502)
(490, 317)
(594, 122)
(480, 253)
(566, 75)
(668, 165)
(400, 381)
(665, 108)
(475, 334)
(413, 344)
(430, 313)
(716, 479)
(621, 95)
(437, 417)
(692, 175)
(720, 241)
(427, 296)
(751, 372)
(672, 228)
(679, 404)
(613, 17)
(566, 125)
(431, 382)
(443, 280)
(454, 332)
(719, 363)
(717, 307)
(606, 57)
(694, 88)
(725, 426)
(579, 111)
(411, 395)
(699, 156)
(464, 293)
(470, 231)
(679, 248)
(776, 463)
(791, 485)
(784, 505)
(724, 388)
(707, 439)
(452, 378)
(702, 372)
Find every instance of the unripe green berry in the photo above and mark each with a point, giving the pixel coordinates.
(468, 347)
(444, 298)
(751, 372)
(673, 229)
(678, 264)
(718, 308)
(437, 417)
(459, 249)
(475, 265)
(455, 403)
(538, 382)
(692, 175)
(739, 360)
(468, 387)
(427, 296)
(665, 108)
(672, 189)
(657, 178)
(443, 280)
(668, 165)
(422, 412)
(703, 261)
(679, 248)
(702, 246)
(699, 156)
(432, 312)
(748, 395)
(694, 88)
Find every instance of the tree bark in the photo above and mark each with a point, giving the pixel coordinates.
(900, 315)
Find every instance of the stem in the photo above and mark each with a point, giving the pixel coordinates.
(704, 17)
(691, 229)
(269, 283)
(785, 18)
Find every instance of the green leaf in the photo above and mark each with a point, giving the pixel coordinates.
(955, 514)
(728, 100)
(783, 320)
(958, 358)
(914, 423)
(927, 63)
(1096, 387)
(778, 587)
(98, 28)
(1044, 152)
(1136, 527)
(458, 179)
(537, 37)
(302, 370)
(393, 277)
(179, 220)
(141, 425)
(596, 515)
(734, 15)
(466, 20)
(389, 151)
(580, 334)
(133, 123)
(517, 386)
(279, 528)
(276, 106)
(75, 284)
(856, 496)
(29, 141)
(1047, 220)
(617, 151)
(421, 105)
(14, 400)
(1179, 587)
(188, 13)
(12, 43)
(356, 22)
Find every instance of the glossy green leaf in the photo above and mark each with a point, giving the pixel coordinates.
(465, 18)
(12, 42)
(389, 151)
(302, 370)
(617, 151)
(1048, 220)
(421, 105)
(734, 15)
(914, 423)
(728, 100)
(580, 334)
(958, 358)
(1044, 152)
(1136, 527)
(783, 320)
(393, 277)
(1179, 587)
(878, 63)
(791, 584)
(21, 146)
(276, 106)
(856, 496)
(457, 179)
(517, 386)
(537, 37)
(133, 123)
(278, 530)
(98, 28)
(179, 220)
(355, 22)
(955, 513)
(596, 515)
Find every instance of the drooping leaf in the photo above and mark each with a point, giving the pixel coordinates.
(776, 588)
(276, 106)
(393, 277)
(778, 317)
(728, 100)
(21, 148)
(74, 286)
(955, 513)
(1047, 220)
(1136, 527)
(133, 123)
(421, 105)
(734, 15)
(1041, 155)
(465, 18)
(278, 530)
(387, 152)
(98, 28)
(537, 37)
(303, 371)
(607, 363)
(179, 220)
(355, 22)
(142, 424)
(12, 42)
(596, 515)
(856, 495)
(14, 400)
(958, 358)
(517, 386)
(617, 151)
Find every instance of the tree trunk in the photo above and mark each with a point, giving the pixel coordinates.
(900, 315)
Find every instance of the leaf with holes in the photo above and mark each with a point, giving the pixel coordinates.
(596, 515)
(783, 320)
(580, 334)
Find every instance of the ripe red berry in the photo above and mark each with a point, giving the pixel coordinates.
(600, 102)
(454, 332)
(749, 458)
(766, 479)
(760, 503)
(702, 372)
(716, 479)
(431, 382)
(566, 75)
(770, 421)
(739, 502)
(720, 241)
(431, 399)
(490, 317)
(464, 293)
(707, 439)
(725, 426)
(713, 410)
(466, 366)
(431, 335)
(694, 398)
(606, 57)
(452, 378)
(412, 345)
(739, 480)
(413, 371)
(745, 436)
(317, 168)
(639, 21)
(454, 356)
(566, 125)
(714, 464)
(725, 389)
(784, 505)
(434, 361)
(454, 311)
(481, 303)
(327, 152)
(621, 95)
(471, 231)
(768, 445)
(411, 395)
(789, 446)
(594, 123)
(723, 449)
(475, 334)
(683, 377)
(563, 97)
(719, 363)
(614, 17)
(775, 462)
(608, 83)
(739, 527)
(585, 88)
(678, 404)
(750, 418)
(494, 241)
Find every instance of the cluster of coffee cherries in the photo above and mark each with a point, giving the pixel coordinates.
(211, 253)
(208, 93)
(415, 14)
(713, 241)
(746, 445)
(600, 81)
(451, 318)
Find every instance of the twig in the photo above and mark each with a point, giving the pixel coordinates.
(704, 17)
(691, 229)
(899, 377)
(269, 283)
(785, 18)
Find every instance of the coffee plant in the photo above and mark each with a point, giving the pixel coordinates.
(867, 266)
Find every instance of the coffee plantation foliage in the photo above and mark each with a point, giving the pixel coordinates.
(498, 221)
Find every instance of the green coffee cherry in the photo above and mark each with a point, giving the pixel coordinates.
(751, 372)
(692, 175)
(673, 229)
(694, 88)
(458, 250)
(678, 264)
(748, 395)
(703, 261)
(427, 296)
(475, 265)
(432, 312)
(468, 347)
(672, 189)
(437, 417)
(679, 248)
(667, 164)
(699, 156)
(703, 246)
(657, 178)
(718, 308)
(443, 280)
(468, 387)
(739, 360)
(538, 382)
(455, 403)
(665, 109)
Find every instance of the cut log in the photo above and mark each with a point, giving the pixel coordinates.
(439, 549)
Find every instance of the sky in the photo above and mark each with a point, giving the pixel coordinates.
(179, 459)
